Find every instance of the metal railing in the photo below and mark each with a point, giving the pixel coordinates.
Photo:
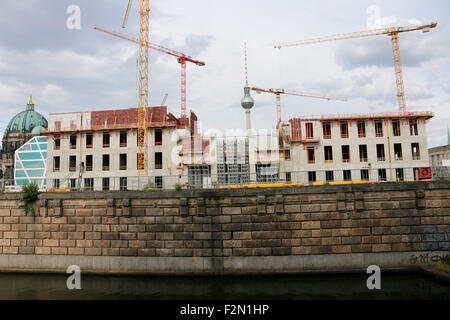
(205, 180)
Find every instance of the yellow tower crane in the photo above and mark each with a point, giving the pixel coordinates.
(391, 31)
(279, 92)
(144, 10)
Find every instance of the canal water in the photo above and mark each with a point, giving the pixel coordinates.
(340, 286)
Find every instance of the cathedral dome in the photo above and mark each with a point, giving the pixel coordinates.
(26, 121)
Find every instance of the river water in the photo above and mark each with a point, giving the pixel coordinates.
(340, 286)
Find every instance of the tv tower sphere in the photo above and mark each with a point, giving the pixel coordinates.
(247, 101)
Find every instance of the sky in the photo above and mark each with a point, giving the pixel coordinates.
(80, 69)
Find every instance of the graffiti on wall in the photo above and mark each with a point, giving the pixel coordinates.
(436, 239)
(425, 258)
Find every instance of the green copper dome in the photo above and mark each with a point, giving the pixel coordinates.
(26, 121)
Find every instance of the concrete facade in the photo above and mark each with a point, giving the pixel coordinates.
(79, 126)
(439, 156)
(300, 151)
(318, 142)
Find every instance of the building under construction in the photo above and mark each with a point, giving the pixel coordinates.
(356, 147)
(98, 150)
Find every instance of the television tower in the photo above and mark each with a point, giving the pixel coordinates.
(247, 101)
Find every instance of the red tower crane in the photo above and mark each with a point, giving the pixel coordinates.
(182, 59)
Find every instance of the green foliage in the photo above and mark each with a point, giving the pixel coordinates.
(447, 259)
(29, 195)
(150, 186)
(178, 187)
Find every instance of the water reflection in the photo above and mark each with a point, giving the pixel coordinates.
(342, 286)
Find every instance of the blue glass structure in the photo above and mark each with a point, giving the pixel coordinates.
(30, 162)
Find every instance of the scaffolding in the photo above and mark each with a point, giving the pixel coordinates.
(232, 160)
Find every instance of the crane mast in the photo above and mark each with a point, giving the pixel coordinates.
(393, 32)
(144, 10)
(142, 130)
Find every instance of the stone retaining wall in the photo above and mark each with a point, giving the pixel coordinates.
(320, 220)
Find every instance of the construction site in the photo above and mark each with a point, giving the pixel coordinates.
(148, 147)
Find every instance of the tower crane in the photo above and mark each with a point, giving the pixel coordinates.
(279, 92)
(182, 59)
(393, 32)
(144, 10)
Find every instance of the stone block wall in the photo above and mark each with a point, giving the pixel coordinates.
(232, 223)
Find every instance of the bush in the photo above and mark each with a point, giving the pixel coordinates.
(28, 197)
(447, 259)
(150, 186)
(178, 187)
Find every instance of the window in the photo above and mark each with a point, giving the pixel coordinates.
(72, 163)
(381, 174)
(57, 142)
(380, 152)
(347, 175)
(72, 184)
(378, 128)
(56, 164)
(123, 161)
(326, 130)
(363, 153)
(57, 125)
(415, 151)
(311, 155)
(309, 130)
(399, 174)
(364, 174)
(344, 129)
(329, 176)
(413, 127)
(398, 151)
(311, 176)
(328, 154)
(158, 137)
(89, 184)
(158, 160)
(361, 129)
(105, 162)
(396, 127)
(56, 184)
(159, 182)
(89, 162)
(123, 183)
(288, 177)
(88, 140)
(73, 125)
(106, 137)
(73, 141)
(345, 153)
(123, 138)
(140, 161)
(287, 154)
(105, 184)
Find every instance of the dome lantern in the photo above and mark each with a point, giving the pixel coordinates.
(27, 120)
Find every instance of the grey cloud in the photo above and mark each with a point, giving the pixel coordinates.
(355, 53)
